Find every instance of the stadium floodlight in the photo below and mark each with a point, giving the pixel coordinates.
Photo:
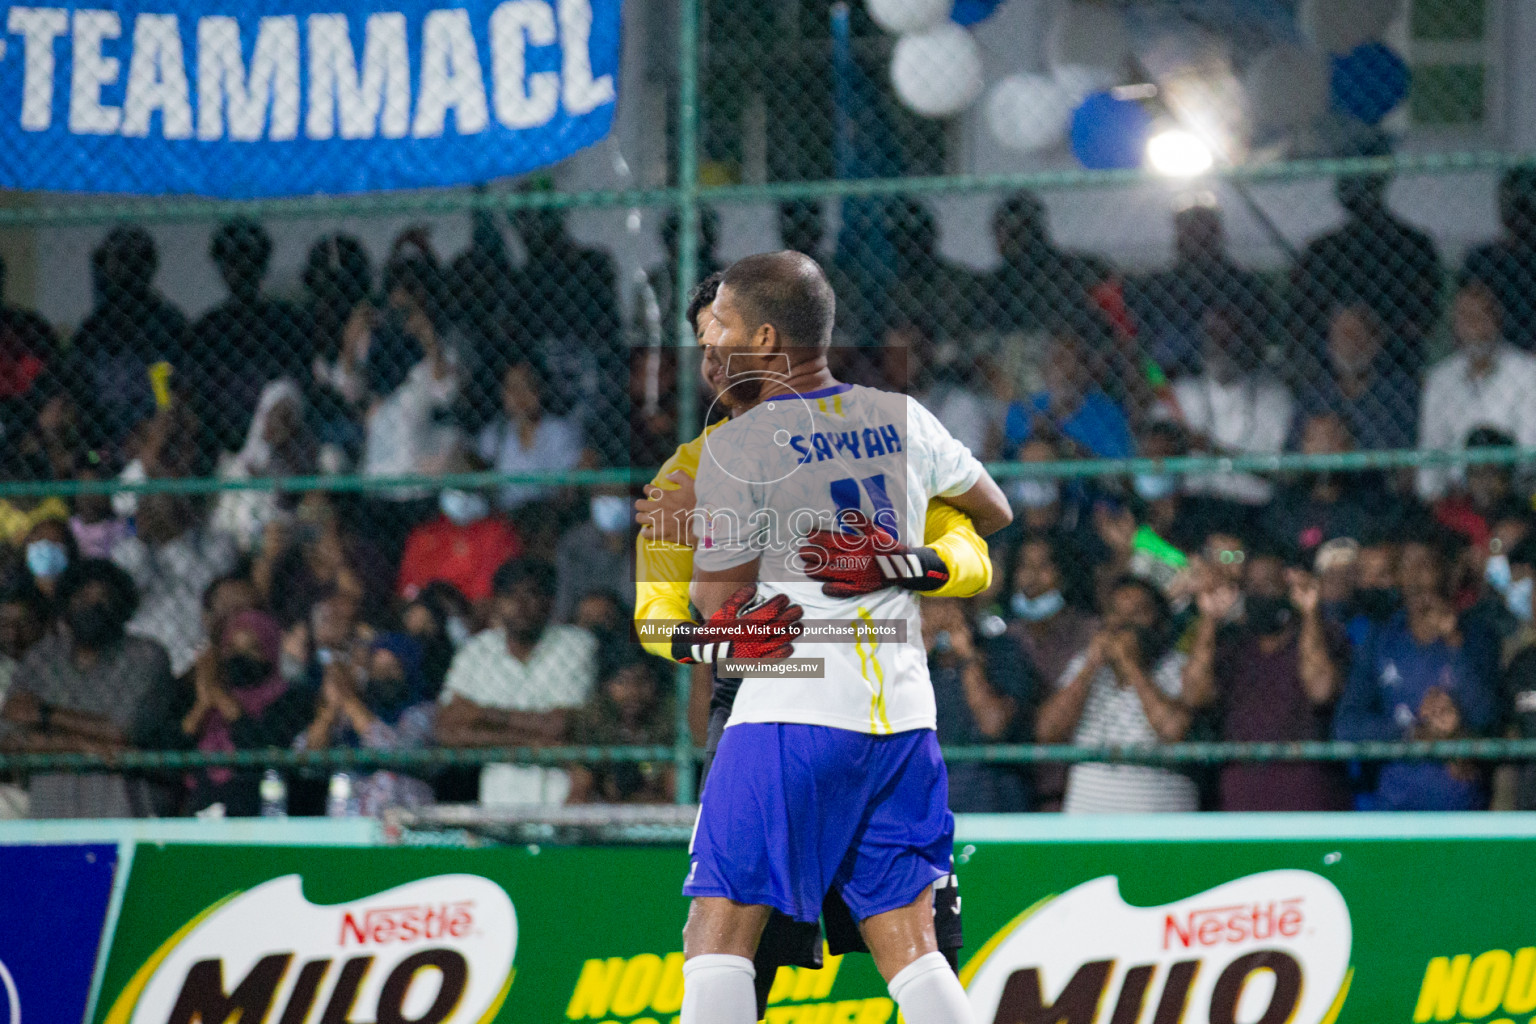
(1178, 153)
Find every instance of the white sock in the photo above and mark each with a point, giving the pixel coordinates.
(929, 993)
(717, 989)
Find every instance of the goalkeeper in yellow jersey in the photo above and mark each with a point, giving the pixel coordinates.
(952, 563)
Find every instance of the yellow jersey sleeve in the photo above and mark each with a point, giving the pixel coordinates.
(663, 570)
(950, 533)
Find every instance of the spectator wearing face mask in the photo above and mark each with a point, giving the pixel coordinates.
(97, 528)
(1487, 383)
(1428, 674)
(50, 549)
(1273, 676)
(463, 546)
(379, 705)
(87, 688)
(1125, 687)
(237, 700)
(1374, 597)
(1039, 503)
(517, 683)
(595, 553)
(1049, 626)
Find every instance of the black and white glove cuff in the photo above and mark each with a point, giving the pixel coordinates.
(919, 569)
(691, 647)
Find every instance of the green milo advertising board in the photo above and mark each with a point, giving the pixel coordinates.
(1224, 929)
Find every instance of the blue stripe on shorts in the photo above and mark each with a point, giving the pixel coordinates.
(792, 811)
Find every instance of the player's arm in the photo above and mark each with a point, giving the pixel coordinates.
(985, 504)
(860, 558)
(662, 574)
(712, 588)
(953, 537)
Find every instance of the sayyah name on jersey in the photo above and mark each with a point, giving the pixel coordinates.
(868, 443)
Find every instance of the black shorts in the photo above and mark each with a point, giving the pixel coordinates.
(790, 943)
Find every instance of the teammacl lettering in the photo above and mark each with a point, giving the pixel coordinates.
(1213, 926)
(408, 924)
(281, 76)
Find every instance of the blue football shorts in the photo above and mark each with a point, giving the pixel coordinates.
(790, 812)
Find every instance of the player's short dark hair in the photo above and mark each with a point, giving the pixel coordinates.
(519, 571)
(703, 294)
(788, 290)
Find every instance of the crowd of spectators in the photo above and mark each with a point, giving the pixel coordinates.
(1150, 609)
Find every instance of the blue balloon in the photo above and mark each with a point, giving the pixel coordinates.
(1369, 82)
(1110, 134)
(972, 12)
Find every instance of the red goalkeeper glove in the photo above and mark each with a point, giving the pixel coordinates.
(765, 633)
(866, 559)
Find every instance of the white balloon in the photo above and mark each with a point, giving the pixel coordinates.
(903, 16)
(1286, 87)
(937, 73)
(1339, 26)
(1029, 112)
(1089, 35)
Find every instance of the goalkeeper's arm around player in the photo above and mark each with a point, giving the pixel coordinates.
(952, 563)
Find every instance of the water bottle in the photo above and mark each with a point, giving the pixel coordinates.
(340, 801)
(274, 794)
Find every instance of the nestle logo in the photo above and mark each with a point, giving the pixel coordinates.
(1240, 923)
(408, 924)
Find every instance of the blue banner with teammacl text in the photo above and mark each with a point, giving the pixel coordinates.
(266, 98)
(53, 908)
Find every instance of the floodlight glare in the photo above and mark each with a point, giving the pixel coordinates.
(1179, 154)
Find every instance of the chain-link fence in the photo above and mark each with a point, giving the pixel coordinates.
(311, 432)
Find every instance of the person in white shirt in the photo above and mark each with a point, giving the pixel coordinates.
(1123, 689)
(1234, 407)
(410, 428)
(1487, 383)
(173, 558)
(516, 685)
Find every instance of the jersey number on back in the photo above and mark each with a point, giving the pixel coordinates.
(845, 495)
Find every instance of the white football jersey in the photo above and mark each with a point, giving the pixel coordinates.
(790, 465)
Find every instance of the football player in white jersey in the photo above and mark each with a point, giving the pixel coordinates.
(834, 781)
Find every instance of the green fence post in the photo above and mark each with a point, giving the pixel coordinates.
(686, 271)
